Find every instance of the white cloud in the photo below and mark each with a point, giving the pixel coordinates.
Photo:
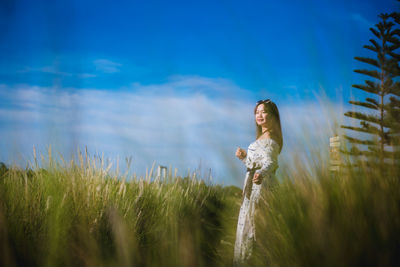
(291, 86)
(107, 66)
(56, 71)
(170, 128)
(191, 84)
(362, 20)
(86, 75)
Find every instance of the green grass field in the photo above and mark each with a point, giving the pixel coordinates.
(80, 214)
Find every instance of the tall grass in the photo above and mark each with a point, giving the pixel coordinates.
(80, 214)
(349, 218)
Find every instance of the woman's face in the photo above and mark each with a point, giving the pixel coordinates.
(261, 116)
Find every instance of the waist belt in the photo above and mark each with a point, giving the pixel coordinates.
(253, 169)
(249, 183)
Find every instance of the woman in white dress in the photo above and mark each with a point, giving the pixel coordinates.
(261, 161)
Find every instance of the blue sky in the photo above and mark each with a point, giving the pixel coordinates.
(174, 81)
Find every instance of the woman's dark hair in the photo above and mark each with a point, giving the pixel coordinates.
(276, 131)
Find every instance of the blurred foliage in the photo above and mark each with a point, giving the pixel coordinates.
(81, 215)
(378, 115)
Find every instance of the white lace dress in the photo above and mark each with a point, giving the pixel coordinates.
(262, 157)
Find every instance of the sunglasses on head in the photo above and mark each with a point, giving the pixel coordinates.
(265, 101)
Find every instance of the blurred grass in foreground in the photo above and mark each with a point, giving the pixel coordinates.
(78, 214)
(349, 218)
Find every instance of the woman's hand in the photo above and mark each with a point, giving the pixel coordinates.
(240, 153)
(257, 179)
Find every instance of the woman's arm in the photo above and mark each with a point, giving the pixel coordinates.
(269, 163)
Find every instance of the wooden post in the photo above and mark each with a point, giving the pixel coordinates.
(334, 153)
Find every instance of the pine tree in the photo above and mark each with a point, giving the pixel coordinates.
(378, 122)
(394, 105)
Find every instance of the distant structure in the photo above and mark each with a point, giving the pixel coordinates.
(161, 170)
(334, 153)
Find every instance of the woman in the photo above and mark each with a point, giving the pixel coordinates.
(261, 161)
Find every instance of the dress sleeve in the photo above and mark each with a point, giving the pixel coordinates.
(269, 160)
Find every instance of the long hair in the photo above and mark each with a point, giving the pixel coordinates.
(276, 130)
